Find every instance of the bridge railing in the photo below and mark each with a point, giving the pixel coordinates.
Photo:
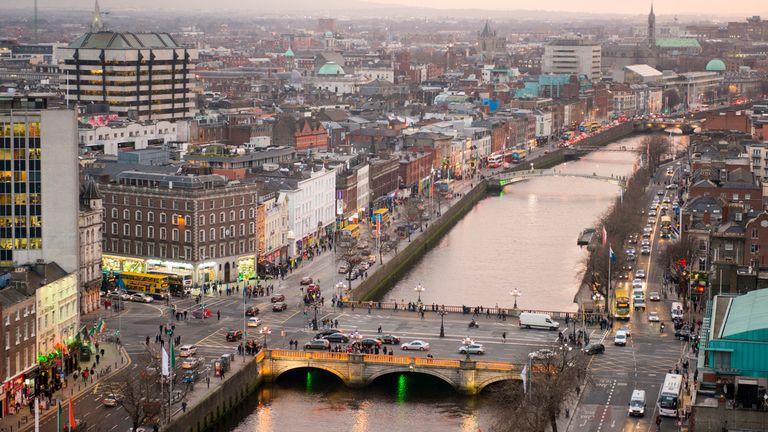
(289, 354)
(420, 361)
(498, 366)
(329, 356)
(380, 358)
(259, 356)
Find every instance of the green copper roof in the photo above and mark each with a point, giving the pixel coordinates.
(289, 53)
(331, 68)
(748, 317)
(716, 65)
(677, 43)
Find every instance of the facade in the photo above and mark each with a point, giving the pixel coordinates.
(415, 170)
(109, 139)
(58, 316)
(141, 76)
(304, 134)
(273, 206)
(17, 330)
(198, 225)
(384, 180)
(90, 220)
(38, 149)
(572, 56)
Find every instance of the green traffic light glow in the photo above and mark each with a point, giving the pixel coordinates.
(402, 384)
(309, 385)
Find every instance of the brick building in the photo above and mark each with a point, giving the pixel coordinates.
(384, 179)
(304, 134)
(17, 332)
(415, 166)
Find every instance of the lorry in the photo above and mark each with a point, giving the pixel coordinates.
(538, 320)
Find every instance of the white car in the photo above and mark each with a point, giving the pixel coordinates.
(254, 322)
(653, 317)
(142, 298)
(637, 283)
(620, 338)
(472, 349)
(187, 350)
(672, 186)
(640, 274)
(416, 345)
(654, 296)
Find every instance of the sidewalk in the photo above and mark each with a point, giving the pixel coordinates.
(114, 359)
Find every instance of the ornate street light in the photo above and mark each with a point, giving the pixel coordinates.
(419, 289)
(515, 293)
(264, 332)
(442, 327)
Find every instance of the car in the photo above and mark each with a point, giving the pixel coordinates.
(279, 306)
(277, 298)
(670, 170)
(475, 348)
(371, 259)
(653, 317)
(319, 344)
(672, 186)
(637, 283)
(620, 338)
(254, 322)
(593, 348)
(326, 332)
(251, 311)
(541, 354)
(628, 267)
(631, 251)
(142, 298)
(646, 234)
(651, 220)
(202, 313)
(648, 228)
(640, 274)
(654, 296)
(390, 339)
(234, 335)
(646, 242)
(666, 200)
(364, 266)
(660, 192)
(684, 333)
(191, 363)
(343, 269)
(652, 213)
(369, 342)
(336, 338)
(187, 350)
(313, 288)
(306, 280)
(111, 400)
(354, 274)
(645, 250)
(416, 345)
(632, 257)
(625, 329)
(190, 376)
(624, 275)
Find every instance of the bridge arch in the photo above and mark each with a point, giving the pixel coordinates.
(495, 379)
(340, 375)
(421, 371)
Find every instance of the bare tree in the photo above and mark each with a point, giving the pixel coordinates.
(412, 216)
(140, 394)
(348, 255)
(655, 147)
(554, 376)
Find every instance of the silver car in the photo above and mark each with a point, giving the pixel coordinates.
(472, 349)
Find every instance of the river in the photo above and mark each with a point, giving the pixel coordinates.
(524, 238)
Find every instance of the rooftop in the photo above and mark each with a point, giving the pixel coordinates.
(677, 43)
(747, 317)
(123, 40)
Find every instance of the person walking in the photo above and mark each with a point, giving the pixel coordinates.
(218, 315)
(504, 337)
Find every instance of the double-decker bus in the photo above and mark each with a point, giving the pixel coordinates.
(518, 156)
(177, 284)
(351, 232)
(670, 395)
(495, 160)
(621, 305)
(156, 285)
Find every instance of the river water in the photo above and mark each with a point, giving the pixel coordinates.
(523, 238)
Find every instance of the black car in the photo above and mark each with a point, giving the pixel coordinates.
(369, 342)
(683, 334)
(594, 348)
(336, 338)
(277, 298)
(326, 332)
(252, 311)
(234, 335)
(390, 340)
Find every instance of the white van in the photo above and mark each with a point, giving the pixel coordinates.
(637, 403)
(677, 310)
(538, 320)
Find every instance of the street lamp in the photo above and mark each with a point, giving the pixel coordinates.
(314, 321)
(340, 287)
(264, 332)
(442, 327)
(515, 293)
(531, 167)
(419, 289)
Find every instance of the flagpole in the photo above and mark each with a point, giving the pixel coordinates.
(608, 293)
(37, 415)
(58, 416)
(172, 361)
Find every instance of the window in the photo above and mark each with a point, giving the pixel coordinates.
(213, 234)
(188, 236)
(242, 229)
(138, 230)
(150, 216)
(755, 248)
(222, 217)
(702, 245)
(126, 229)
(202, 220)
(251, 228)
(188, 220)
(175, 219)
(242, 214)
(223, 250)
(231, 215)
(162, 233)
(231, 248)
(138, 215)
(252, 213)
(721, 360)
(735, 197)
(138, 246)
(162, 251)
(242, 246)
(114, 213)
(162, 218)
(213, 252)
(150, 232)
(114, 228)
(702, 264)
(202, 253)
(127, 214)
(213, 218)
(126, 246)
(187, 253)
(18, 314)
(754, 233)
(150, 249)
(175, 234)
(747, 197)
(222, 233)
(201, 236)
(729, 246)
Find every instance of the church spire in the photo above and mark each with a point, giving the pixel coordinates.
(651, 28)
(97, 24)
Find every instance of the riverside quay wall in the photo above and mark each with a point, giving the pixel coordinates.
(385, 277)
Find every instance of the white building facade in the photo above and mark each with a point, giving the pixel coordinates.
(572, 56)
(311, 210)
(135, 136)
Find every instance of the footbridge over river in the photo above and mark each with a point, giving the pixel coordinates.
(502, 179)
(467, 376)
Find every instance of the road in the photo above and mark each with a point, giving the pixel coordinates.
(642, 364)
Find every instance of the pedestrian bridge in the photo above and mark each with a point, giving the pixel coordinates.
(504, 178)
(467, 376)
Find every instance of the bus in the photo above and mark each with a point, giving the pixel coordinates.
(444, 186)
(621, 306)
(495, 160)
(518, 156)
(351, 232)
(179, 285)
(670, 395)
(666, 221)
(156, 285)
(382, 215)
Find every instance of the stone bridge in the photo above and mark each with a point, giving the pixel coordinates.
(502, 179)
(359, 370)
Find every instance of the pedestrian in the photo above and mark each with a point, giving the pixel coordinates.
(379, 330)
(504, 337)
(184, 406)
(218, 315)
(208, 381)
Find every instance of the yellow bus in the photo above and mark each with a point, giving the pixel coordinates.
(351, 232)
(381, 214)
(622, 305)
(155, 285)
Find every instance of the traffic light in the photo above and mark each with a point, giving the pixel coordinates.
(699, 289)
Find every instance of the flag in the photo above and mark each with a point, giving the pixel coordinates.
(524, 377)
(72, 424)
(605, 235)
(102, 326)
(611, 254)
(58, 417)
(165, 361)
(173, 355)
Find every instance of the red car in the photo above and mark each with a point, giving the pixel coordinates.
(202, 313)
(306, 280)
(277, 298)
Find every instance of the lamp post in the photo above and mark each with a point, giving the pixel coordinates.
(340, 287)
(442, 327)
(314, 321)
(264, 332)
(515, 293)
(419, 289)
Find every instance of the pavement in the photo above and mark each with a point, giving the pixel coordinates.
(641, 364)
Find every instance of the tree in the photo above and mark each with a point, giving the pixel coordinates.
(140, 394)
(655, 146)
(553, 377)
(349, 256)
(412, 215)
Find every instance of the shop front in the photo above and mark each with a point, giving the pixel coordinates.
(173, 267)
(205, 273)
(126, 264)
(246, 268)
(16, 394)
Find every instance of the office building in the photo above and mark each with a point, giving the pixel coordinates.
(572, 56)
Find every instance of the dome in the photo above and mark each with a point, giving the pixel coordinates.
(716, 65)
(328, 34)
(289, 53)
(331, 68)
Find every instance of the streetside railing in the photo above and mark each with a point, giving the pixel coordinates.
(420, 361)
(380, 358)
(289, 354)
(260, 356)
(338, 356)
(498, 366)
